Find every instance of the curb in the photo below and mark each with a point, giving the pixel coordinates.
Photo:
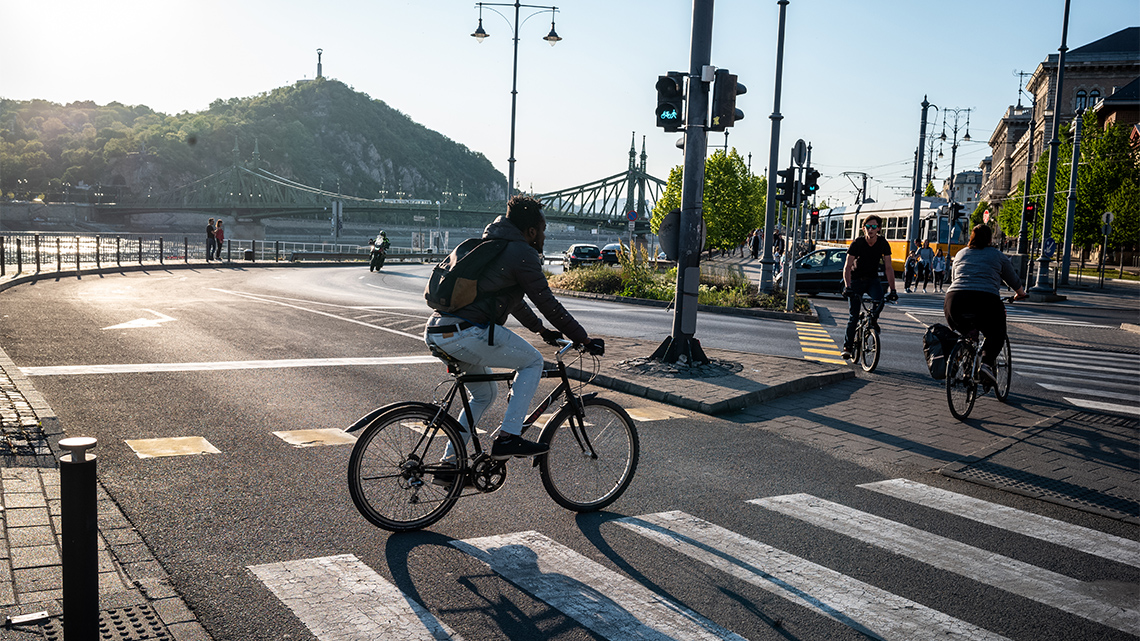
(711, 309)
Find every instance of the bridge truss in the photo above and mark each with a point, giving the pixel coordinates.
(608, 199)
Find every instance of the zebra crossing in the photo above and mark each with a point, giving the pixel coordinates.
(340, 598)
(1013, 313)
(1089, 379)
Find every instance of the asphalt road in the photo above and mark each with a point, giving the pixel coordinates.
(258, 500)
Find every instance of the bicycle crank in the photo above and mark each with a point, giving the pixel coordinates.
(488, 475)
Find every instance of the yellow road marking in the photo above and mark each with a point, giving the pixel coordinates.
(831, 352)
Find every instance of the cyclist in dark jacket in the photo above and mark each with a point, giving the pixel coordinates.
(974, 298)
(474, 335)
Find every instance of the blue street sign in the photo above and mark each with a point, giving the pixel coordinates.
(631, 215)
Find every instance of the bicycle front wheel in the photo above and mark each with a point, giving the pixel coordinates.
(869, 349)
(961, 390)
(1003, 372)
(393, 467)
(591, 461)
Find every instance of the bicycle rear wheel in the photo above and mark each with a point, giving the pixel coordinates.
(590, 462)
(869, 348)
(961, 390)
(393, 466)
(1003, 372)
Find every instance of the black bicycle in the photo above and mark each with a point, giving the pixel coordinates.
(963, 382)
(865, 350)
(410, 465)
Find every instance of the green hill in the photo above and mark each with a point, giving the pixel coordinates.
(316, 132)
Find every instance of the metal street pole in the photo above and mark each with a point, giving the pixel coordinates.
(1023, 227)
(912, 234)
(681, 346)
(767, 281)
(1070, 215)
(1043, 285)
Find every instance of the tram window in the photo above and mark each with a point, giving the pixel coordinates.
(848, 225)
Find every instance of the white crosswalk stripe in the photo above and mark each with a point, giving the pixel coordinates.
(1041, 585)
(1014, 314)
(340, 598)
(599, 598)
(1086, 378)
(865, 608)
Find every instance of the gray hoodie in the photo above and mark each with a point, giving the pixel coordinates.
(983, 270)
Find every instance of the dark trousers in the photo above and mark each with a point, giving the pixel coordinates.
(211, 245)
(972, 310)
(860, 286)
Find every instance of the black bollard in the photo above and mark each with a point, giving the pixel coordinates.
(79, 520)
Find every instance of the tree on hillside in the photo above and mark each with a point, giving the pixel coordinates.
(733, 203)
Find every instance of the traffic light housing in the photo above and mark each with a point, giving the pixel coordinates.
(724, 113)
(671, 101)
(814, 217)
(1030, 211)
(811, 181)
(785, 186)
(956, 212)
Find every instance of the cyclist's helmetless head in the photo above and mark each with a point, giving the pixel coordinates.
(525, 213)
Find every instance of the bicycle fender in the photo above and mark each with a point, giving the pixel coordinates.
(371, 416)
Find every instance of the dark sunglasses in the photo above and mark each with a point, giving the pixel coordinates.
(872, 226)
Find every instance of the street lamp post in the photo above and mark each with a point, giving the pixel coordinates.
(551, 37)
(954, 156)
(1043, 285)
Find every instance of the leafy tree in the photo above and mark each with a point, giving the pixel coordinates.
(930, 190)
(733, 200)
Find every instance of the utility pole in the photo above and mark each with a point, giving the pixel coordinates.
(1043, 285)
(767, 281)
(1070, 214)
(912, 234)
(681, 346)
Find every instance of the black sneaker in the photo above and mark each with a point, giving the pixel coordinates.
(848, 353)
(508, 445)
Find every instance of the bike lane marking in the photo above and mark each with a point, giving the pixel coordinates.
(863, 607)
(602, 600)
(138, 368)
(339, 598)
(1076, 537)
(262, 299)
(1038, 584)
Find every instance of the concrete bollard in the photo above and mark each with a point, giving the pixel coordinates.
(79, 519)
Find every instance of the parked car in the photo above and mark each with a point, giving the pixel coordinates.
(581, 254)
(610, 253)
(821, 271)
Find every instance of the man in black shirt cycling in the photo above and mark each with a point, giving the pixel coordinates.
(861, 276)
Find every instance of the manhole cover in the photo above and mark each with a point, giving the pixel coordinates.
(134, 623)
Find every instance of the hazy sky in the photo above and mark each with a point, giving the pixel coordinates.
(855, 72)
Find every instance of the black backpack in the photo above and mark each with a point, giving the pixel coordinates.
(454, 283)
(936, 345)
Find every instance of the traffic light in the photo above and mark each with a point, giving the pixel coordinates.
(811, 181)
(724, 113)
(814, 217)
(671, 101)
(956, 212)
(1030, 211)
(786, 186)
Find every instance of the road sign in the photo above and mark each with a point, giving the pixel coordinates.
(418, 219)
(1107, 217)
(1106, 230)
(1049, 247)
(799, 152)
(632, 216)
(632, 224)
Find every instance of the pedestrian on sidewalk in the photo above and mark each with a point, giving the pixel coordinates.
(909, 268)
(925, 266)
(754, 243)
(211, 239)
(939, 266)
(219, 236)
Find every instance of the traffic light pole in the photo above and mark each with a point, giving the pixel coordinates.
(767, 279)
(913, 234)
(1043, 285)
(681, 346)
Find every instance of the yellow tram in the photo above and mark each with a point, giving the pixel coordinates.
(839, 226)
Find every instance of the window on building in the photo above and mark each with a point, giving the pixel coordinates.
(1094, 97)
(1082, 99)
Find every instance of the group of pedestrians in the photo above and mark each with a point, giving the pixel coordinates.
(921, 266)
(214, 237)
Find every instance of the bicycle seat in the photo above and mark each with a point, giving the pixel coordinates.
(452, 364)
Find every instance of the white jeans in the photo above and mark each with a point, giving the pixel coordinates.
(510, 351)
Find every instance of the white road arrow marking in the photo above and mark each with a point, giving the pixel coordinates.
(143, 322)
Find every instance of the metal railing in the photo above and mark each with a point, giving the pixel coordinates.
(28, 253)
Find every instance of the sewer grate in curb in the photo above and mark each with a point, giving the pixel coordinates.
(134, 623)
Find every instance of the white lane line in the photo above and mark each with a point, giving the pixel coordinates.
(1031, 319)
(1055, 351)
(865, 608)
(1065, 389)
(602, 600)
(1107, 407)
(1098, 379)
(136, 368)
(1041, 585)
(339, 598)
(1059, 366)
(1079, 538)
(261, 299)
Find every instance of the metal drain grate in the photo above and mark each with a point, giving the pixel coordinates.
(134, 623)
(1003, 477)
